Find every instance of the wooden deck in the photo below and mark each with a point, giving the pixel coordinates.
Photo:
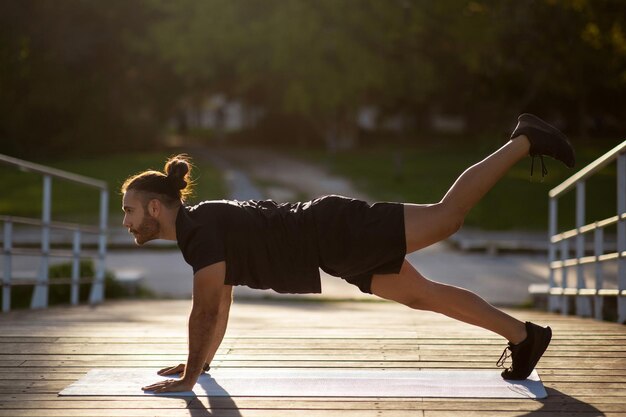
(584, 370)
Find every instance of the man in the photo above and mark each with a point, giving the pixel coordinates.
(262, 244)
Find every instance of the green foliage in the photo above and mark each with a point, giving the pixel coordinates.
(60, 294)
(72, 81)
(22, 191)
(423, 174)
(90, 76)
(562, 57)
(322, 60)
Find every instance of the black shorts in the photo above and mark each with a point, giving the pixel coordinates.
(357, 240)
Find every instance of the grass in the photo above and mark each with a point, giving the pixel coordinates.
(22, 191)
(423, 176)
(426, 172)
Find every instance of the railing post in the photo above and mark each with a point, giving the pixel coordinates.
(553, 301)
(8, 269)
(598, 244)
(621, 238)
(583, 303)
(97, 288)
(75, 267)
(564, 256)
(40, 293)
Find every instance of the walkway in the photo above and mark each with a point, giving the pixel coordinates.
(41, 352)
(277, 175)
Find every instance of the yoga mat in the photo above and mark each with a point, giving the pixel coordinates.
(284, 382)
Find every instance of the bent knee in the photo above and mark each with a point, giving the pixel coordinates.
(454, 217)
(417, 304)
(422, 300)
(456, 225)
(431, 298)
(422, 303)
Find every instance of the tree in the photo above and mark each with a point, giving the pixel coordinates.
(73, 79)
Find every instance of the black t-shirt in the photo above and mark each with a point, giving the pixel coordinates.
(265, 244)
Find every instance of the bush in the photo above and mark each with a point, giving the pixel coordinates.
(60, 294)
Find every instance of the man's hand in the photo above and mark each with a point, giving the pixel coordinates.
(180, 369)
(170, 385)
(170, 370)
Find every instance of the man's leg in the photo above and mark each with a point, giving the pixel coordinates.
(426, 224)
(429, 223)
(412, 289)
(527, 341)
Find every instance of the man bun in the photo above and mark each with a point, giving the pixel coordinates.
(172, 186)
(177, 172)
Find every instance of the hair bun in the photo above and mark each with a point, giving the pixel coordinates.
(177, 170)
(173, 185)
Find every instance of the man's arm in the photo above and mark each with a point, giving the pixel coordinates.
(222, 322)
(208, 288)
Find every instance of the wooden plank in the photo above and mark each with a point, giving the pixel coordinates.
(584, 412)
(87, 358)
(65, 374)
(51, 386)
(581, 358)
(600, 364)
(125, 412)
(297, 404)
(298, 363)
(443, 350)
(546, 374)
(19, 401)
(9, 362)
(345, 342)
(27, 339)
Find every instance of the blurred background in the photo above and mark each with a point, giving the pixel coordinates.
(292, 99)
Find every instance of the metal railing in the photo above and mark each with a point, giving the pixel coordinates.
(589, 301)
(42, 282)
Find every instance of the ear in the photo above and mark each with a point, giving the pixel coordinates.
(154, 207)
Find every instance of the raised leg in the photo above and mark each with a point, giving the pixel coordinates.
(412, 289)
(426, 224)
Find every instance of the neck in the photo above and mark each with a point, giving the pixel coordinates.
(168, 226)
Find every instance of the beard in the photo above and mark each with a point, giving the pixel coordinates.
(148, 230)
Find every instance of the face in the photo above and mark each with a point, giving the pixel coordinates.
(138, 219)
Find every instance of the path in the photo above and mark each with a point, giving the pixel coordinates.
(284, 178)
(584, 369)
(502, 280)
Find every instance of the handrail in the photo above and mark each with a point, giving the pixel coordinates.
(559, 295)
(54, 172)
(587, 228)
(40, 292)
(51, 224)
(588, 171)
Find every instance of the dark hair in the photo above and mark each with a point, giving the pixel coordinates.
(172, 186)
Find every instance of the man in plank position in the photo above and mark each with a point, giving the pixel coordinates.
(264, 245)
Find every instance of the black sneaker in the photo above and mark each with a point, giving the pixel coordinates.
(526, 354)
(545, 139)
